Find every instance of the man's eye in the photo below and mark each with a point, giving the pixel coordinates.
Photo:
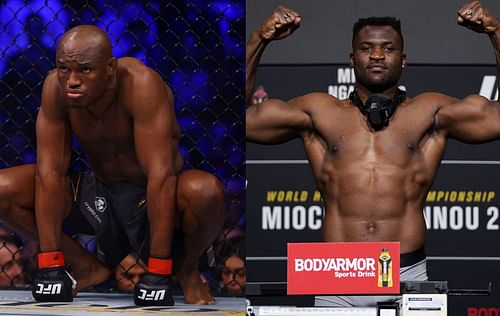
(366, 48)
(86, 69)
(63, 69)
(389, 49)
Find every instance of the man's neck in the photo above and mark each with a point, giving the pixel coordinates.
(364, 92)
(101, 105)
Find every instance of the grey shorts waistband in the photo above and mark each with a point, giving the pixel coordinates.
(411, 258)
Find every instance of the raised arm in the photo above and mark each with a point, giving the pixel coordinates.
(282, 23)
(478, 18)
(475, 119)
(272, 121)
(156, 137)
(53, 158)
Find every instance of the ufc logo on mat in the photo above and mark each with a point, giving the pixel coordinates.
(152, 295)
(48, 288)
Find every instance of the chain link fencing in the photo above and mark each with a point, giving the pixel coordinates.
(198, 49)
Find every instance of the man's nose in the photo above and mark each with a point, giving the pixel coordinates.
(73, 80)
(377, 53)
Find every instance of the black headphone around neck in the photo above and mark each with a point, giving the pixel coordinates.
(378, 108)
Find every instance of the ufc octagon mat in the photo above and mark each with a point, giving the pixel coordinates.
(22, 303)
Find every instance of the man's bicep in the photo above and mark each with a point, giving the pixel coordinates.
(275, 121)
(473, 119)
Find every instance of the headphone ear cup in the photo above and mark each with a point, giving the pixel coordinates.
(354, 97)
(399, 97)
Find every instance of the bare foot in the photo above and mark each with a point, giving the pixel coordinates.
(195, 291)
(88, 274)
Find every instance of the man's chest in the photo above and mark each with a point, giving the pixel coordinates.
(346, 134)
(110, 132)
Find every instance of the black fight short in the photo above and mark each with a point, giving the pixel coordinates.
(115, 213)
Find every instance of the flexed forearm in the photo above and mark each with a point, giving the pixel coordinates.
(495, 40)
(475, 16)
(474, 119)
(254, 50)
(282, 22)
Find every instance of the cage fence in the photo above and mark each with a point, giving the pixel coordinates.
(198, 49)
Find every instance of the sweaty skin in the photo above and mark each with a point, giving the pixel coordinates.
(122, 114)
(119, 110)
(373, 183)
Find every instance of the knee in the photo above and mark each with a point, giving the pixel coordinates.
(206, 190)
(202, 192)
(17, 188)
(6, 194)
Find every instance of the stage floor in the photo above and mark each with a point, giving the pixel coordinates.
(312, 311)
(22, 303)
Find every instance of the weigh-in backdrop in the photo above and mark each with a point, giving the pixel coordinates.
(462, 209)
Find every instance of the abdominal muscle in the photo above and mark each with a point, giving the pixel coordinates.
(363, 205)
(114, 167)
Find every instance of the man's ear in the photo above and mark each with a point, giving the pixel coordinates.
(111, 66)
(351, 59)
(403, 65)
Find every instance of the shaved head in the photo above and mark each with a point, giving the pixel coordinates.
(85, 39)
(85, 65)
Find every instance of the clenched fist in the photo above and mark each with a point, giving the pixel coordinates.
(282, 22)
(477, 17)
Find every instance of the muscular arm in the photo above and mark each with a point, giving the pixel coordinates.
(254, 50)
(156, 136)
(471, 120)
(474, 119)
(282, 23)
(53, 158)
(272, 121)
(495, 40)
(276, 121)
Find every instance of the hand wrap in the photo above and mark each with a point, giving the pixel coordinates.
(52, 282)
(155, 287)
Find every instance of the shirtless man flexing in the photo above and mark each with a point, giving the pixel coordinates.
(373, 156)
(122, 114)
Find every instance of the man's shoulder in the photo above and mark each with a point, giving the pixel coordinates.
(133, 71)
(133, 66)
(51, 79)
(130, 62)
(51, 88)
(431, 99)
(320, 99)
(138, 83)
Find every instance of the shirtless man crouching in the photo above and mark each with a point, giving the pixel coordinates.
(122, 114)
